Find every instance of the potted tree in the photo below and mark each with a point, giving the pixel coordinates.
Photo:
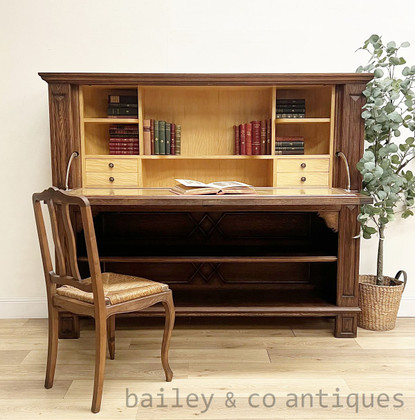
(388, 113)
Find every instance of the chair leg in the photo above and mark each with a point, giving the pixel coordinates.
(111, 336)
(100, 356)
(52, 347)
(168, 328)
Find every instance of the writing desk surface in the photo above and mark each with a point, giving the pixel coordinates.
(265, 197)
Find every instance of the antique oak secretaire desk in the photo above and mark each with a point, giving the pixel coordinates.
(290, 250)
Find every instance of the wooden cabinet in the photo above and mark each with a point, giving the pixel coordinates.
(291, 250)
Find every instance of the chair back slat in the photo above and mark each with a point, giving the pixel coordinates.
(70, 241)
(60, 258)
(66, 267)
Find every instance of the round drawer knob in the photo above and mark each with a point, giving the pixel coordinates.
(111, 179)
(111, 165)
(303, 179)
(303, 165)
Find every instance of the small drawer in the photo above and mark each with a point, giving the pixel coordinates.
(111, 165)
(302, 165)
(311, 179)
(120, 179)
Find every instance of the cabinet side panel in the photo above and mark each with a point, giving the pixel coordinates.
(349, 133)
(64, 133)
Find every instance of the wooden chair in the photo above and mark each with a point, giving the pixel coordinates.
(102, 296)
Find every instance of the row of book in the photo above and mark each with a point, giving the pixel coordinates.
(289, 145)
(123, 139)
(290, 108)
(122, 106)
(162, 138)
(253, 138)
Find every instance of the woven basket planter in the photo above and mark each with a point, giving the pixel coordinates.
(379, 304)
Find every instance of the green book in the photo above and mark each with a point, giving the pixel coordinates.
(178, 146)
(156, 138)
(168, 137)
(162, 137)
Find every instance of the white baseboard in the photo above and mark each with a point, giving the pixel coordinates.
(37, 307)
(23, 307)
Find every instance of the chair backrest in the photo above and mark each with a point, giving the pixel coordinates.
(66, 271)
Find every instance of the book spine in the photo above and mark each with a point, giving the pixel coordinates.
(289, 148)
(268, 129)
(290, 110)
(124, 112)
(123, 152)
(291, 102)
(255, 138)
(290, 115)
(152, 136)
(147, 137)
(162, 137)
(242, 134)
(237, 139)
(263, 149)
(156, 137)
(289, 138)
(289, 144)
(122, 99)
(173, 139)
(168, 138)
(178, 148)
(124, 140)
(249, 139)
(289, 152)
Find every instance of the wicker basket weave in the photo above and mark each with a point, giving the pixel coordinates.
(379, 304)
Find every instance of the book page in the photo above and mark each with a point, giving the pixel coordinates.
(218, 184)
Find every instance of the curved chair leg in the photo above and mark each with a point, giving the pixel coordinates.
(100, 356)
(111, 336)
(168, 328)
(52, 347)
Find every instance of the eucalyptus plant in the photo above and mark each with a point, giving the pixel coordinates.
(389, 111)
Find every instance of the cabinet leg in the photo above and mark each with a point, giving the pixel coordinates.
(345, 326)
(68, 325)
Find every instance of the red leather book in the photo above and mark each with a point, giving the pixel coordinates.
(237, 140)
(152, 136)
(248, 139)
(263, 148)
(243, 139)
(147, 137)
(173, 139)
(124, 140)
(124, 152)
(268, 137)
(256, 137)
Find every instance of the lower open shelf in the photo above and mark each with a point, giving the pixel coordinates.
(250, 303)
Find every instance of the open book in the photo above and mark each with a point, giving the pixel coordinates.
(190, 187)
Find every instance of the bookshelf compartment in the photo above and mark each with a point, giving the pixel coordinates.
(207, 114)
(317, 99)
(95, 100)
(163, 172)
(317, 137)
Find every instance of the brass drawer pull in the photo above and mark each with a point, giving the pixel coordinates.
(303, 179)
(111, 179)
(111, 165)
(303, 165)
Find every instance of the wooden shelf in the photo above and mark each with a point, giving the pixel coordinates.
(301, 120)
(112, 120)
(221, 157)
(218, 259)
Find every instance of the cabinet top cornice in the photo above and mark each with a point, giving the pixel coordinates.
(207, 79)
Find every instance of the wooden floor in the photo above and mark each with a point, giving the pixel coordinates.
(244, 357)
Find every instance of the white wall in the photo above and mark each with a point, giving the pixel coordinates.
(162, 36)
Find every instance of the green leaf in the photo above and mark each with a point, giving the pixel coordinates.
(374, 39)
(371, 230)
(407, 213)
(378, 73)
(405, 44)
